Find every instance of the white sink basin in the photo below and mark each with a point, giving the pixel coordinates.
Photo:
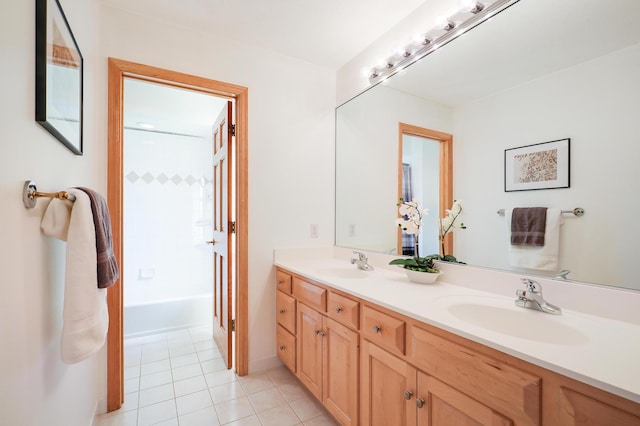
(502, 316)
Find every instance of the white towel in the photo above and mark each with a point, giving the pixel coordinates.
(543, 258)
(85, 315)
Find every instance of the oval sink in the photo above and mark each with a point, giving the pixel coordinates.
(502, 316)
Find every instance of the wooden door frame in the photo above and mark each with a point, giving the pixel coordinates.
(446, 171)
(118, 71)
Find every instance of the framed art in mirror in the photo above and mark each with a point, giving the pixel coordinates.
(58, 76)
(539, 166)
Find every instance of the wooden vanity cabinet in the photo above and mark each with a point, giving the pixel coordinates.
(370, 365)
(327, 352)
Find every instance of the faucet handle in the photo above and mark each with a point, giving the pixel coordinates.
(532, 286)
(361, 256)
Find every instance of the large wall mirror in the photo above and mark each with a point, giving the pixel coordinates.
(539, 71)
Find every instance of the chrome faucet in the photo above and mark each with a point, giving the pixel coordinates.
(562, 275)
(531, 298)
(361, 261)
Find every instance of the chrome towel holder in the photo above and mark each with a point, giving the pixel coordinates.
(30, 194)
(578, 211)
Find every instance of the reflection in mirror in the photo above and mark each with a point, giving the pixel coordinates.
(507, 83)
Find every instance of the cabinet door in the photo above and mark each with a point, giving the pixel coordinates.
(577, 408)
(309, 349)
(439, 404)
(388, 386)
(340, 385)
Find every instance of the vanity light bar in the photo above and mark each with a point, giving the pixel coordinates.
(447, 30)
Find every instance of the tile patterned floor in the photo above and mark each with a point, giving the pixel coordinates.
(179, 379)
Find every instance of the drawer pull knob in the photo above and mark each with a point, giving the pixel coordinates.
(282, 347)
(338, 309)
(419, 402)
(320, 333)
(377, 329)
(408, 394)
(282, 311)
(280, 282)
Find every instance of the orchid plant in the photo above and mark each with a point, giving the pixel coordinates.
(410, 221)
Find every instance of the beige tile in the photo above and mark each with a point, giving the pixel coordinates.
(187, 371)
(220, 377)
(157, 413)
(155, 379)
(156, 394)
(279, 416)
(293, 391)
(191, 385)
(204, 417)
(234, 410)
(213, 365)
(182, 360)
(155, 367)
(321, 420)
(246, 421)
(255, 383)
(266, 399)
(118, 418)
(193, 402)
(280, 375)
(307, 408)
(226, 392)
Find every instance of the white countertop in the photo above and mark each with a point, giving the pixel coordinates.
(593, 347)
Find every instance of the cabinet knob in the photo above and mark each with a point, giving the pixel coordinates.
(419, 402)
(282, 347)
(338, 309)
(377, 329)
(280, 282)
(282, 311)
(408, 394)
(320, 333)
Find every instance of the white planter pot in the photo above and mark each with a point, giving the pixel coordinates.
(422, 277)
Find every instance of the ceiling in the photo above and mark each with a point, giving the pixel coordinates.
(328, 33)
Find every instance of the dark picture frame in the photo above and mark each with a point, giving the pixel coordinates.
(59, 76)
(543, 165)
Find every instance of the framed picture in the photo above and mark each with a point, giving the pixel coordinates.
(58, 76)
(540, 166)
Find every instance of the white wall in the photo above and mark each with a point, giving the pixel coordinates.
(291, 143)
(36, 387)
(167, 222)
(596, 105)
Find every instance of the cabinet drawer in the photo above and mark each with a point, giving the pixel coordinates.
(283, 281)
(343, 310)
(310, 294)
(383, 330)
(286, 311)
(510, 390)
(286, 348)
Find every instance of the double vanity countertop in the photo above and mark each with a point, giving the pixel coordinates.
(590, 342)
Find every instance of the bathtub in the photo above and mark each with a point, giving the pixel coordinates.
(166, 315)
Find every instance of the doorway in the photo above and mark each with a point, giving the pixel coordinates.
(420, 151)
(119, 71)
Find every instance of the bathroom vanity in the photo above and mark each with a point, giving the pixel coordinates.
(378, 350)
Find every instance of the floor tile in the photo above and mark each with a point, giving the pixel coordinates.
(155, 379)
(193, 402)
(131, 372)
(279, 416)
(157, 413)
(170, 422)
(220, 377)
(246, 421)
(155, 367)
(130, 402)
(226, 392)
(204, 345)
(307, 408)
(157, 394)
(266, 399)
(131, 385)
(293, 391)
(255, 383)
(181, 361)
(213, 365)
(185, 387)
(191, 370)
(175, 351)
(321, 420)
(234, 410)
(154, 346)
(208, 354)
(281, 375)
(158, 337)
(155, 355)
(118, 418)
(205, 417)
